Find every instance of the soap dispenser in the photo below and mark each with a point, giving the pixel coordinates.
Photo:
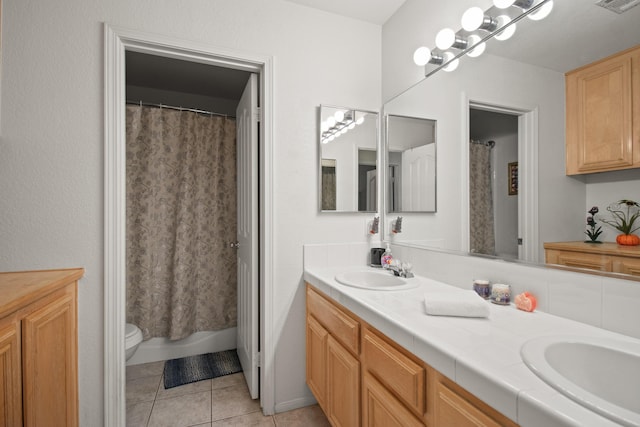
(386, 257)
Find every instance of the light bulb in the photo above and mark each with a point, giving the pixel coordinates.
(331, 121)
(472, 19)
(339, 116)
(452, 65)
(351, 126)
(543, 12)
(503, 4)
(422, 55)
(479, 49)
(445, 38)
(360, 120)
(505, 34)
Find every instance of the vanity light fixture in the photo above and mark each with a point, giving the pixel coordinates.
(505, 34)
(475, 19)
(542, 12)
(340, 123)
(478, 27)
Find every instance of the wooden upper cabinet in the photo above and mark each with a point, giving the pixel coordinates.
(603, 115)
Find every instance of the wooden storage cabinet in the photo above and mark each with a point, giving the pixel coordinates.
(603, 115)
(378, 383)
(606, 257)
(333, 368)
(39, 348)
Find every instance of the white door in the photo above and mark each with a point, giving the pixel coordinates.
(247, 244)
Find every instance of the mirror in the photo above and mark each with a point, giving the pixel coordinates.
(411, 162)
(524, 78)
(348, 141)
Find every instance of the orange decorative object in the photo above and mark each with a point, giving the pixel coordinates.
(628, 240)
(526, 301)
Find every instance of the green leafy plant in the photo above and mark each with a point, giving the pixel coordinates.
(625, 214)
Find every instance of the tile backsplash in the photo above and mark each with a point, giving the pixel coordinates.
(603, 302)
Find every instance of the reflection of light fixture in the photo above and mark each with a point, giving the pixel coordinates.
(505, 34)
(542, 12)
(340, 123)
(475, 19)
(452, 64)
(477, 50)
(522, 4)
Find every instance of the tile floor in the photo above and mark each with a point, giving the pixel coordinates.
(222, 401)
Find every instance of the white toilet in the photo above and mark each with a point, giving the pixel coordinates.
(133, 338)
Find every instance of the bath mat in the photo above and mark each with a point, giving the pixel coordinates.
(190, 369)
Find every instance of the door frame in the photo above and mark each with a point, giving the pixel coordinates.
(527, 171)
(118, 40)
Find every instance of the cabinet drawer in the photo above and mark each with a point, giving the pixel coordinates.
(580, 260)
(405, 378)
(380, 408)
(339, 324)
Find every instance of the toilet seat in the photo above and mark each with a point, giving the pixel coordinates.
(133, 335)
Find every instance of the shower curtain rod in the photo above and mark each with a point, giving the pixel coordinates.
(171, 107)
(487, 143)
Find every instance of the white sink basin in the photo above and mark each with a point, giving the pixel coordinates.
(598, 373)
(375, 280)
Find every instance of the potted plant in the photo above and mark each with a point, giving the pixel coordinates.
(593, 230)
(626, 219)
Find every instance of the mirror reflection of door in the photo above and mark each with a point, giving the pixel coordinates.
(367, 180)
(411, 157)
(493, 183)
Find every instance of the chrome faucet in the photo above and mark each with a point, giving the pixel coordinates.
(401, 269)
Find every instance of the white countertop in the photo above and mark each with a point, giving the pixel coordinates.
(480, 354)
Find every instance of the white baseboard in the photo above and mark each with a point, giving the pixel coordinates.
(295, 404)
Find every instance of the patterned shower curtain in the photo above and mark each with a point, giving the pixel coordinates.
(181, 216)
(481, 232)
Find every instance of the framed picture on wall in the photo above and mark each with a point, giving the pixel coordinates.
(513, 178)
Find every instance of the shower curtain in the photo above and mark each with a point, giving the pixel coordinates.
(180, 218)
(481, 231)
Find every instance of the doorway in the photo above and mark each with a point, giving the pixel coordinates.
(493, 183)
(525, 172)
(117, 42)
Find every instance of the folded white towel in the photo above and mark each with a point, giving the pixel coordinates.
(463, 303)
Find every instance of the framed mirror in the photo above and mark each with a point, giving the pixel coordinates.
(411, 164)
(347, 146)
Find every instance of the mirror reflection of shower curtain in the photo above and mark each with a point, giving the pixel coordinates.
(328, 191)
(481, 227)
(181, 216)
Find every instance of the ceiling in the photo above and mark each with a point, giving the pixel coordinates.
(374, 11)
(577, 32)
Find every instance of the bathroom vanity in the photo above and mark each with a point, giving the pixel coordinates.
(607, 257)
(39, 348)
(375, 358)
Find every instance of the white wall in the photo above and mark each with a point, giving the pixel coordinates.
(51, 146)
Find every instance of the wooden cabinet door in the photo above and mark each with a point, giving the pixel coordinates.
(600, 115)
(50, 355)
(317, 360)
(453, 410)
(380, 408)
(343, 386)
(10, 379)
